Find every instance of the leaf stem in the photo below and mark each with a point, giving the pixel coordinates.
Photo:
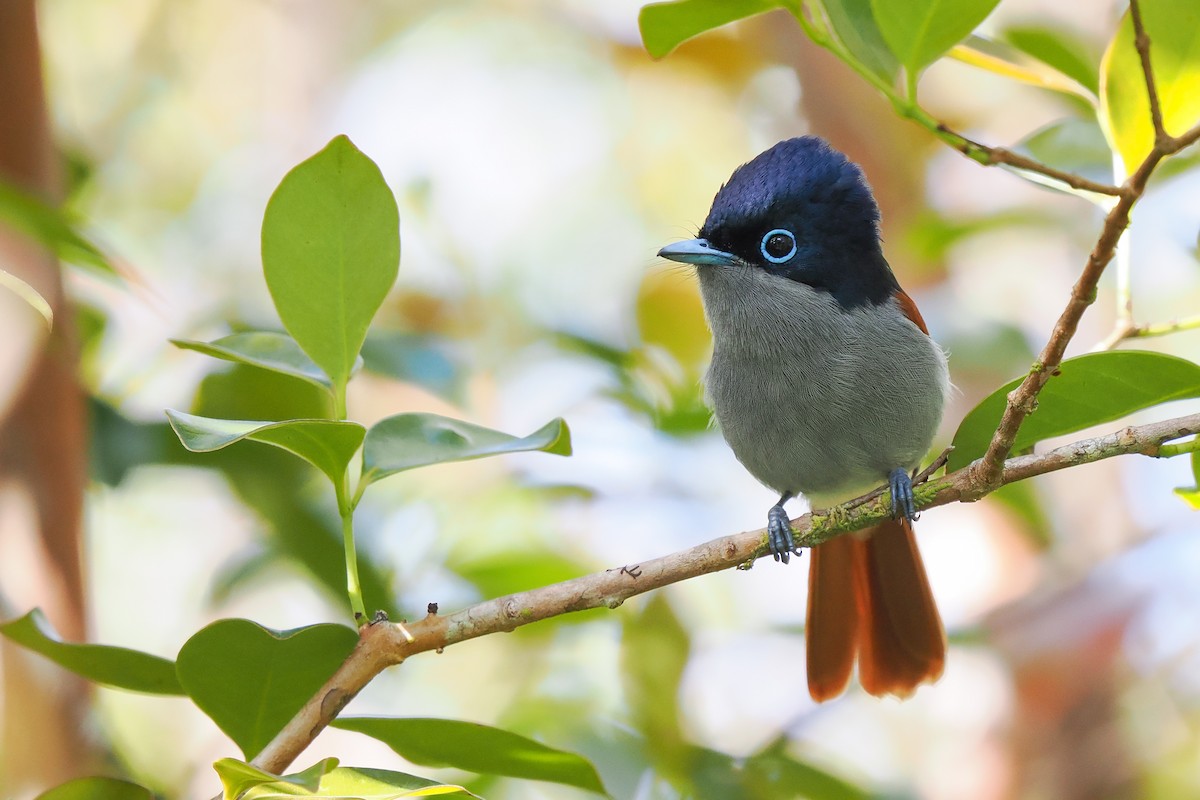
(1179, 448)
(352, 585)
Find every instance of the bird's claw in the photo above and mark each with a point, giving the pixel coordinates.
(779, 534)
(903, 502)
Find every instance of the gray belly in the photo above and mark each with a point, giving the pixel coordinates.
(830, 412)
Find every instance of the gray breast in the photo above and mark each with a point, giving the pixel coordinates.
(812, 398)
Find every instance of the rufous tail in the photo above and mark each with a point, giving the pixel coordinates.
(868, 596)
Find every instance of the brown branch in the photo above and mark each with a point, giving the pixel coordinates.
(1000, 155)
(1141, 43)
(383, 644)
(1022, 400)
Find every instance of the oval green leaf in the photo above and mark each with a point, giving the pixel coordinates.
(331, 251)
(1091, 390)
(407, 441)
(326, 444)
(918, 32)
(97, 789)
(855, 26)
(665, 26)
(277, 352)
(476, 748)
(251, 680)
(1008, 61)
(1174, 30)
(100, 663)
(1061, 49)
(384, 784)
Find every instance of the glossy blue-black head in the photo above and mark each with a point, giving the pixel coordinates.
(802, 211)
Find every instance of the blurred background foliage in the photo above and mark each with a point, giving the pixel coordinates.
(540, 158)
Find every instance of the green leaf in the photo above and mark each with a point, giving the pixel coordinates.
(49, 227)
(1174, 30)
(1091, 390)
(97, 789)
(1074, 145)
(277, 352)
(1008, 61)
(665, 26)
(855, 26)
(476, 748)
(654, 653)
(30, 295)
(326, 444)
(1190, 495)
(331, 251)
(101, 663)
(918, 32)
(774, 773)
(1061, 49)
(381, 783)
(407, 441)
(251, 680)
(242, 780)
(515, 571)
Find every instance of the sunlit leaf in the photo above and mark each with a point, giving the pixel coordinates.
(326, 444)
(30, 295)
(1190, 495)
(1091, 390)
(97, 789)
(671, 316)
(1006, 60)
(665, 26)
(1060, 49)
(49, 227)
(407, 441)
(331, 252)
(1174, 30)
(251, 680)
(277, 352)
(105, 664)
(385, 784)
(918, 32)
(243, 781)
(476, 748)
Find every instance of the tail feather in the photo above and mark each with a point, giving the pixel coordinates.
(832, 627)
(897, 633)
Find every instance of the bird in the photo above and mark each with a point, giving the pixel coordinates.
(825, 383)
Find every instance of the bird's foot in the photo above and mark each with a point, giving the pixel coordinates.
(779, 533)
(903, 501)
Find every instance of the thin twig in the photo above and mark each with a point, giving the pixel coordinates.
(1142, 331)
(383, 644)
(1022, 400)
(1141, 43)
(1000, 155)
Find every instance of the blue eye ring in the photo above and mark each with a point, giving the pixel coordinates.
(775, 244)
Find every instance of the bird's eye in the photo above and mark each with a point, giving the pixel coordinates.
(778, 246)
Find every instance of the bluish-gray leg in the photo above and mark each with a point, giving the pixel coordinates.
(903, 502)
(779, 531)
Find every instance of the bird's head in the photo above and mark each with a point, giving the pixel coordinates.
(801, 211)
